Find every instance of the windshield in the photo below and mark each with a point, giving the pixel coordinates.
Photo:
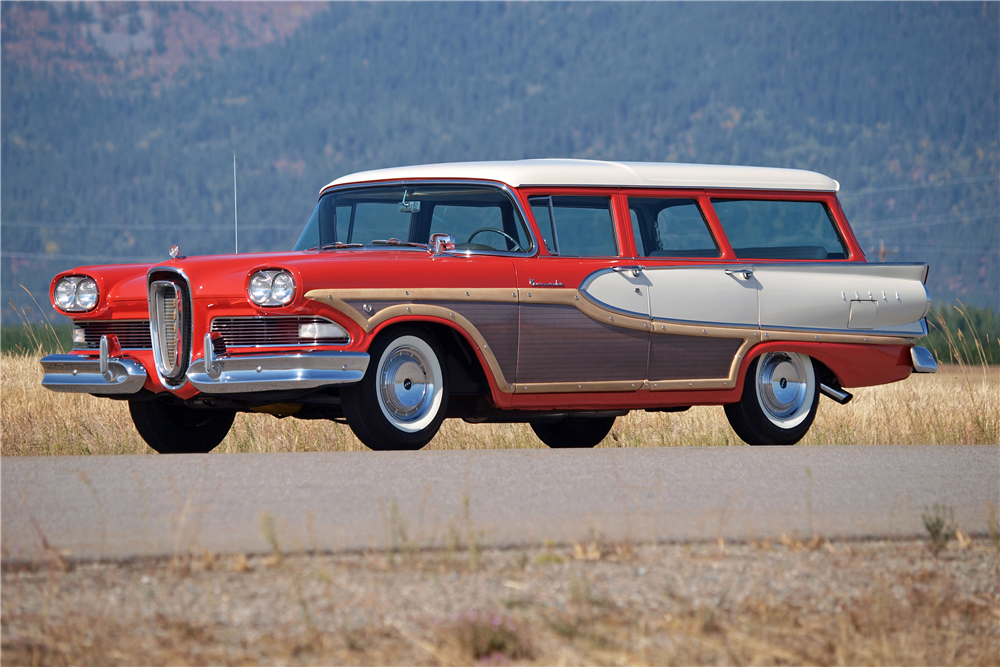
(480, 218)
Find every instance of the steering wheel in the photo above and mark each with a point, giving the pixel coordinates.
(517, 246)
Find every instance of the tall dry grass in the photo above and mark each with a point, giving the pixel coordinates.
(958, 405)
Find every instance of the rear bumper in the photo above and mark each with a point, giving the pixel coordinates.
(238, 375)
(923, 360)
(76, 373)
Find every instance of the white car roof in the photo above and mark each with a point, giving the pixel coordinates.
(569, 172)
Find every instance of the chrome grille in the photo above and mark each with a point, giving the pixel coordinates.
(280, 331)
(170, 325)
(132, 334)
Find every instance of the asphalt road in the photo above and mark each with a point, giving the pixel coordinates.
(126, 506)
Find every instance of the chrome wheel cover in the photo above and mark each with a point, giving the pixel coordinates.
(786, 385)
(409, 384)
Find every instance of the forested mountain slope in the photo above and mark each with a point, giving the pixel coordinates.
(113, 153)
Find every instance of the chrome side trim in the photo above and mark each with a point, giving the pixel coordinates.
(898, 333)
(923, 360)
(246, 374)
(75, 373)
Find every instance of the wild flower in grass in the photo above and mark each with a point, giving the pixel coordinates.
(939, 521)
(489, 637)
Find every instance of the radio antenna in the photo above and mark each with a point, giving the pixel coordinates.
(236, 216)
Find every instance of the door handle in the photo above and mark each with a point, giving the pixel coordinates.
(634, 270)
(744, 274)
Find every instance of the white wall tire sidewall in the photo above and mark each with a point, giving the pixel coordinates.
(433, 368)
(805, 409)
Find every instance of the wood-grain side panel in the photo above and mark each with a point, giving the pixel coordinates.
(497, 322)
(561, 344)
(673, 357)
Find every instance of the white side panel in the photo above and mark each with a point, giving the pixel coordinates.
(862, 315)
(703, 294)
(619, 291)
(815, 296)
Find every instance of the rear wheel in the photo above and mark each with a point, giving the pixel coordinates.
(779, 400)
(401, 401)
(177, 429)
(573, 432)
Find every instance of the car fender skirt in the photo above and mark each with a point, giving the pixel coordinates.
(276, 372)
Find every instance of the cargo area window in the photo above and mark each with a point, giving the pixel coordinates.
(672, 227)
(576, 226)
(768, 229)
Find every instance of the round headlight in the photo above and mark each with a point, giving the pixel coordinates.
(76, 293)
(260, 288)
(86, 294)
(65, 294)
(272, 287)
(282, 288)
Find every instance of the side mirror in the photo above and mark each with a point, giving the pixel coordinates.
(441, 243)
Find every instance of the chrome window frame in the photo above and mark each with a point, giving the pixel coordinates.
(503, 187)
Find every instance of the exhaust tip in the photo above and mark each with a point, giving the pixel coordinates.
(837, 394)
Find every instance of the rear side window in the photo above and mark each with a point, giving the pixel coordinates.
(576, 226)
(764, 229)
(670, 228)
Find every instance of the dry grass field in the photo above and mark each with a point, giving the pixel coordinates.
(789, 603)
(958, 405)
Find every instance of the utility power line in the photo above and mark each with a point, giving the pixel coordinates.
(918, 186)
(117, 259)
(129, 227)
(928, 221)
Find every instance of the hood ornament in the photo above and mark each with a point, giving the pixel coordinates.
(174, 251)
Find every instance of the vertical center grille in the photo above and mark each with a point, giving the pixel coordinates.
(170, 325)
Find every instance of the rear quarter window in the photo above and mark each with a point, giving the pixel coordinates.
(769, 229)
(670, 228)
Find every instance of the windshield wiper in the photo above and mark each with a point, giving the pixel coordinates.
(338, 244)
(397, 242)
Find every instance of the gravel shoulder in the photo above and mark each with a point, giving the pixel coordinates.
(815, 602)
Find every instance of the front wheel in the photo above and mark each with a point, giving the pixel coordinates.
(401, 402)
(573, 432)
(177, 429)
(779, 400)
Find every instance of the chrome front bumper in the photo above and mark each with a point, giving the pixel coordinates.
(238, 375)
(89, 375)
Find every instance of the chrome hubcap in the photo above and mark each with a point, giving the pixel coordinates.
(406, 385)
(783, 385)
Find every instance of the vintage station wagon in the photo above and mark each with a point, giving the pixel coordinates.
(561, 293)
